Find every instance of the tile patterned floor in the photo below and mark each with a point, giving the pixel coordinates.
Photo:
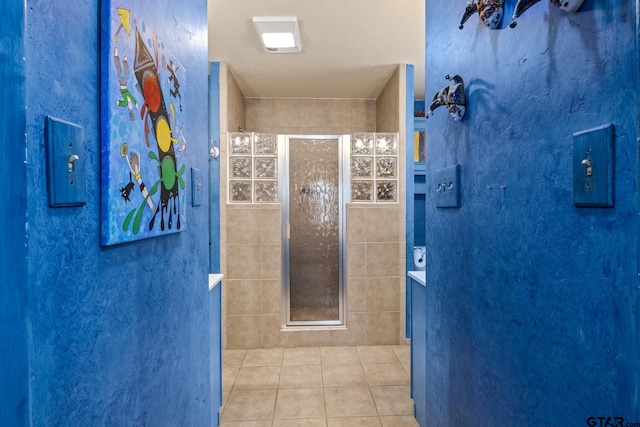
(318, 387)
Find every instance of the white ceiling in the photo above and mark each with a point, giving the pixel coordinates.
(349, 47)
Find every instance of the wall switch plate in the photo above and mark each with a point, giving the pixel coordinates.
(448, 187)
(196, 187)
(593, 167)
(66, 159)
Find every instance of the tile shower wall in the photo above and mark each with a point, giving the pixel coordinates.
(252, 243)
(310, 116)
(389, 102)
(232, 118)
(375, 276)
(391, 116)
(253, 277)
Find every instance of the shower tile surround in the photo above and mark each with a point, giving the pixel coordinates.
(375, 280)
(253, 273)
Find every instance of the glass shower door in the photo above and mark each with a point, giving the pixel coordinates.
(314, 232)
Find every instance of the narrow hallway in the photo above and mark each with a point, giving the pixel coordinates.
(318, 386)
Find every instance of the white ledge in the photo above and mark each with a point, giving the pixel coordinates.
(214, 280)
(418, 276)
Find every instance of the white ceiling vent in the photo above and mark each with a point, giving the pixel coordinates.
(278, 34)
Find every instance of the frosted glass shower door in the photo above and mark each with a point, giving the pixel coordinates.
(314, 250)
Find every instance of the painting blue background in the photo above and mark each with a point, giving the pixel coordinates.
(98, 336)
(532, 303)
(117, 128)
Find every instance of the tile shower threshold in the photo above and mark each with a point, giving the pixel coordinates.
(302, 328)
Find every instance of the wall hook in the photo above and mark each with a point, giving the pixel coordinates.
(453, 97)
(214, 152)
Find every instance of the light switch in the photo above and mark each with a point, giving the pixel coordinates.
(447, 187)
(593, 167)
(67, 180)
(196, 187)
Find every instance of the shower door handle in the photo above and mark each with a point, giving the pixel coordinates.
(288, 232)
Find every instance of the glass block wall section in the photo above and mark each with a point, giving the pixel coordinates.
(253, 167)
(374, 167)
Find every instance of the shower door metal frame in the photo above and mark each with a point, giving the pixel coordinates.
(344, 142)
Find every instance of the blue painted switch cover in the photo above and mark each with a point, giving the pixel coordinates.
(593, 167)
(66, 175)
(448, 187)
(196, 187)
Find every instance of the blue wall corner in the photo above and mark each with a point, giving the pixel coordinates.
(214, 169)
(531, 302)
(119, 335)
(215, 297)
(14, 361)
(409, 236)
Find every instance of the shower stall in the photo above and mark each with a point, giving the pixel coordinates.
(286, 239)
(312, 198)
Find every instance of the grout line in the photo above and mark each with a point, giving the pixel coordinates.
(369, 387)
(324, 394)
(275, 401)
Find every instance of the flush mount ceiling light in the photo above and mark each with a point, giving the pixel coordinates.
(279, 34)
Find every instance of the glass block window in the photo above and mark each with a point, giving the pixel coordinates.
(361, 167)
(362, 143)
(266, 167)
(240, 143)
(266, 191)
(374, 167)
(362, 191)
(240, 167)
(386, 167)
(386, 191)
(253, 167)
(266, 143)
(386, 143)
(240, 191)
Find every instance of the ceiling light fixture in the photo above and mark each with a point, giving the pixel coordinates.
(279, 34)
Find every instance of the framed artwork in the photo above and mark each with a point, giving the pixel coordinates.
(419, 146)
(419, 135)
(143, 125)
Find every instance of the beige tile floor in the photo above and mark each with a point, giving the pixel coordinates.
(318, 387)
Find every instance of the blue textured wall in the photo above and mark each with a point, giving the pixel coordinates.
(410, 217)
(14, 366)
(532, 303)
(119, 334)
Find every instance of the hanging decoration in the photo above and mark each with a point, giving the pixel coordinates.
(490, 11)
(453, 97)
(523, 5)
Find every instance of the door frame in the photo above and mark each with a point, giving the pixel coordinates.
(344, 142)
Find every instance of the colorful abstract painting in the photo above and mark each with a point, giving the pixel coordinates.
(143, 126)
